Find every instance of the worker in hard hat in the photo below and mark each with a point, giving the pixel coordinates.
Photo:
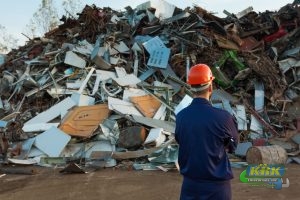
(204, 134)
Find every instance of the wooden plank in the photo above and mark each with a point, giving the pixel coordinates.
(146, 104)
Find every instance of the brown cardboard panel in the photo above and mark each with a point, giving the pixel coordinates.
(249, 44)
(147, 104)
(84, 120)
(225, 43)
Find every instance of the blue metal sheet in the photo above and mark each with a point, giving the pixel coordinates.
(3, 124)
(242, 148)
(296, 138)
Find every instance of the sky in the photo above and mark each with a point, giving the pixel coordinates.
(16, 14)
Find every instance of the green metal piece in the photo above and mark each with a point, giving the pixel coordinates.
(53, 161)
(221, 78)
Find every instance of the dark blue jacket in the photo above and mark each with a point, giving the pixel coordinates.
(202, 133)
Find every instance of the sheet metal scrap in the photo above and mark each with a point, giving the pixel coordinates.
(238, 46)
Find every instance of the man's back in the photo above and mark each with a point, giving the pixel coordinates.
(201, 131)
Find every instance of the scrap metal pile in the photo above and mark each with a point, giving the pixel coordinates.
(104, 89)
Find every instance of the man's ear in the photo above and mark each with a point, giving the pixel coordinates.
(210, 89)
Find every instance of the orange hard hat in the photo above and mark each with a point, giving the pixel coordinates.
(200, 74)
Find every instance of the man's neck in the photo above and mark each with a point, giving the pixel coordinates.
(204, 96)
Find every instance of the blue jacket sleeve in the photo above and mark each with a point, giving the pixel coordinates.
(231, 139)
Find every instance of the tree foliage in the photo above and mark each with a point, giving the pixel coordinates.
(46, 18)
(72, 7)
(7, 41)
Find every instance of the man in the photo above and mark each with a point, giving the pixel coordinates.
(204, 134)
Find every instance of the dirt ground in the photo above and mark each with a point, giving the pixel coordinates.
(121, 184)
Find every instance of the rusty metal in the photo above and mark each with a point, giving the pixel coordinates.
(3, 144)
(14, 131)
(264, 123)
(18, 170)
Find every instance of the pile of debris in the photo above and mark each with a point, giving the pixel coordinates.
(103, 90)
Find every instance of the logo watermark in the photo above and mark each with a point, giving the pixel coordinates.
(265, 175)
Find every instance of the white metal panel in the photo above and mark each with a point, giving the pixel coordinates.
(83, 86)
(166, 125)
(82, 100)
(52, 141)
(184, 103)
(22, 162)
(38, 127)
(132, 92)
(129, 79)
(155, 135)
(52, 112)
(241, 117)
(105, 75)
(123, 107)
(163, 9)
(74, 60)
(256, 125)
(259, 96)
(101, 146)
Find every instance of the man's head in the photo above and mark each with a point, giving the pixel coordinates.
(200, 79)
